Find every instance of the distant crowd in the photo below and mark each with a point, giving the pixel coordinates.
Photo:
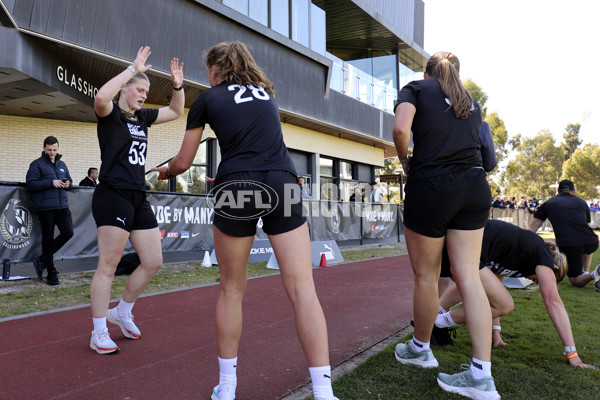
(511, 202)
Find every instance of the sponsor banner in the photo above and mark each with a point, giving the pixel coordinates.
(380, 221)
(327, 247)
(261, 250)
(184, 221)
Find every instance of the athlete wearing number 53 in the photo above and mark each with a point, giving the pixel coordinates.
(119, 205)
(240, 109)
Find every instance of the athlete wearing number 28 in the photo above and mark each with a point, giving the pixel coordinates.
(240, 109)
(119, 205)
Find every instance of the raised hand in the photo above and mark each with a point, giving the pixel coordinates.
(176, 73)
(140, 60)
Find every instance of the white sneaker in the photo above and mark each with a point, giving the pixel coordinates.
(224, 391)
(102, 343)
(125, 323)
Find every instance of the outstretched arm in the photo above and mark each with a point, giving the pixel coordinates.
(535, 225)
(103, 101)
(556, 311)
(184, 158)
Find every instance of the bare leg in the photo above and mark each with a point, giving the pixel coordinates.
(425, 255)
(111, 243)
(464, 249)
(443, 284)
(587, 262)
(146, 244)
(233, 254)
(293, 253)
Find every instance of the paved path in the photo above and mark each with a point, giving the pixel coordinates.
(47, 356)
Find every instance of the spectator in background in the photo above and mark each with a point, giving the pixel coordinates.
(533, 204)
(511, 203)
(498, 203)
(304, 189)
(357, 195)
(90, 179)
(593, 207)
(376, 195)
(48, 179)
(570, 216)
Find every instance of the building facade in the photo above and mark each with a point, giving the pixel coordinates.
(337, 66)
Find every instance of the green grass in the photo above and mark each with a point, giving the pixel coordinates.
(531, 366)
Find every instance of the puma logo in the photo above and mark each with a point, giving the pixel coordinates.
(122, 220)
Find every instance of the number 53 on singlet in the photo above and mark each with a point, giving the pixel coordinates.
(137, 153)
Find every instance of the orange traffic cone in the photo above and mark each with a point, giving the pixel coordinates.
(323, 261)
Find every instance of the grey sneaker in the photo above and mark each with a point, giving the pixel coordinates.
(406, 355)
(597, 278)
(464, 384)
(225, 391)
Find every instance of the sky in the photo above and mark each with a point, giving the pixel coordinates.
(538, 61)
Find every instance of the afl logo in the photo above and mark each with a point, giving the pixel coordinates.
(243, 199)
(15, 225)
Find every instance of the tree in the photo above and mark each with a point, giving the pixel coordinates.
(500, 135)
(572, 140)
(582, 168)
(537, 165)
(478, 95)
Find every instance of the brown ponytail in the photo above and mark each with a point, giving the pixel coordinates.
(235, 64)
(559, 259)
(444, 66)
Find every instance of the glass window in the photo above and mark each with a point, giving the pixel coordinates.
(300, 28)
(317, 29)
(326, 166)
(238, 5)
(259, 11)
(346, 170)
(280, 17)
(192, 180)
(328, 189)
(346, 190)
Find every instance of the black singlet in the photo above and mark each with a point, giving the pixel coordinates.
(442, 143)
(123, 146)
(245, 119)
(512, 251)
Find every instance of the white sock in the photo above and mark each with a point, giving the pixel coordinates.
(417, 345)
(481, 369)
(99, 324)
(321, 381)
(441, 310)
(124, 308)
(228, 370)
(444, 320)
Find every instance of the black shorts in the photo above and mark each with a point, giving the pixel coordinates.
(574, 256)
(241, 198)
(459, 200)
(124, 208)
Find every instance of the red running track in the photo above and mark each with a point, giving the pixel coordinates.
(48, 356)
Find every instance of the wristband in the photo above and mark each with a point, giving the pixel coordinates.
(571, 355)
(131, 69)
(405, 159)
(570, 349)
(168, 174)
(178, 88)
(496, 328)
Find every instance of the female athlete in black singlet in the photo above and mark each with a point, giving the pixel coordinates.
(256, 178)
(119, 205)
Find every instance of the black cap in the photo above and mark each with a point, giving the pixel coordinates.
(566, 185)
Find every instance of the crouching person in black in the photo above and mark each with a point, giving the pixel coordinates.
(48, 179)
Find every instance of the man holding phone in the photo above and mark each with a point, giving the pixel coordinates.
(47, 180)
